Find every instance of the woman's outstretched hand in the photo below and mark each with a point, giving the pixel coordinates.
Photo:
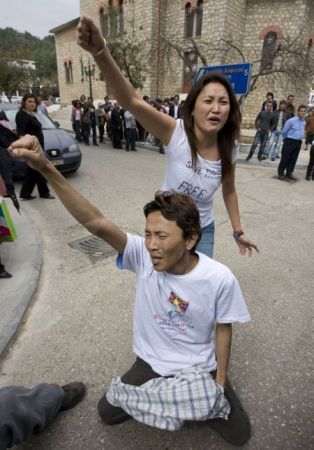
(88, 36)
(245, 244)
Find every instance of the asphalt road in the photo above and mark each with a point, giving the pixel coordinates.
(79, 326)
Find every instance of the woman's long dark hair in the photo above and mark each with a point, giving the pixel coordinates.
(27, 96)
(230, 132)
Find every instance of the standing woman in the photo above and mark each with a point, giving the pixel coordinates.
(201, 149)
(27, 123)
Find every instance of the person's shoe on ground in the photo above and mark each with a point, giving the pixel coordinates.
(5, 274)
(73, 394)
(308, 178)
(48, 197)
(28, 197)
(291, 178)
(281, 177)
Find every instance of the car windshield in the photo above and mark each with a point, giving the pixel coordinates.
(46, 123)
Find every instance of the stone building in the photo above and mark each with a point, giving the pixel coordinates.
(175, 37)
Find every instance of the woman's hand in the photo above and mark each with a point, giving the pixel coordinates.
(88, 36)
(28, 148)
(245, 244)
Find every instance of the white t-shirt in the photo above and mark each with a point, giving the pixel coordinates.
(175, 315)
(202, 183)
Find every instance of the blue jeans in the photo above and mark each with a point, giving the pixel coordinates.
(275, 143)
(206, 244)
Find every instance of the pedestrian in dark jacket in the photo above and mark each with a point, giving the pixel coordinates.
(27, 123)
(116, 126)
(269, 98)
(280, 117)
(263, 125)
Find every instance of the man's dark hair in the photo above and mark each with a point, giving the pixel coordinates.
(270, 93)
(179, 208)
(230, 132)
(302, 107)
(282, 102)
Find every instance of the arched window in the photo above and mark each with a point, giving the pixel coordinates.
(199, 17)
(189, 19)
(104, 25)
(68, 72)
(269, 50)
(113, 19)
(121, 17)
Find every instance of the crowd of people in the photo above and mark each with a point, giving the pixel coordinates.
(116, 123)
(279, 134)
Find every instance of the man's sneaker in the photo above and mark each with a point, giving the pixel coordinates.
(281, 177)
(73, 394)
(308, 178)
(291, 178)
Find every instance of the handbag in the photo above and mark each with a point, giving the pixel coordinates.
(7, 228)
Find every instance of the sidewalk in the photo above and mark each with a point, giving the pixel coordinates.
(23, 259)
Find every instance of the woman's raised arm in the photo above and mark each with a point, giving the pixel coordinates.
(90, 38)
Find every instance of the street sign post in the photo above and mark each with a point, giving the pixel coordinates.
(239, 75)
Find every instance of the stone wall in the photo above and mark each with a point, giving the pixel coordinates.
(241, 21)
(290, 17)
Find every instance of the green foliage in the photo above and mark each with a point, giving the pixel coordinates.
(128, 56)
(24, 46)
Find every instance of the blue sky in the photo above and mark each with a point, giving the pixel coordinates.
(37, 16)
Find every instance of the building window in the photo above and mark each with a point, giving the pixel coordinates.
(121, 17)
(104, 24)
(269, 50)
(189, 70)
(193, 19)
(68, 72)
(112, 19)
(189, 19)
(199, 17)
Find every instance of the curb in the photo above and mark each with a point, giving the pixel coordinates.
(23, 258)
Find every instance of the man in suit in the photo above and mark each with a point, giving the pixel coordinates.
(116, 126)
(174, 110)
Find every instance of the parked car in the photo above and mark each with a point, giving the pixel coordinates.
(60, 147)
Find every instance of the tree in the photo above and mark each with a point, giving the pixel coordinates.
(15, 76)
(17, 50)
(129, 57)
(288, 60)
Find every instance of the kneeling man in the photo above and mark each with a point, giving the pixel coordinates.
(182, 298)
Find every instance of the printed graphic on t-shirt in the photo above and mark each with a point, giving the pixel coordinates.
(175, 317)
(194, 186)
(206, 173)
(181, 305)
